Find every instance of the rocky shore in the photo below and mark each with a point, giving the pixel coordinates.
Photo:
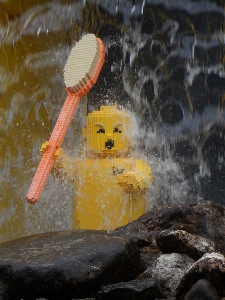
(169, 253)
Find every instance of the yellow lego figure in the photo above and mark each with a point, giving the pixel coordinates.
(110, 185)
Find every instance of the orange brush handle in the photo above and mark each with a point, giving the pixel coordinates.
(56, 140)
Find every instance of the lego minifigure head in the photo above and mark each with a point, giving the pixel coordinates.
(107, 131)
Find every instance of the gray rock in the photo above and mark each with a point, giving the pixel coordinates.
(168, 269)
(3, 291)
(149, 254)
(211, 267)
(202, 289)
(206, 219)
(175, 218)
(143, 289)
(181, 241)
(67, 264)
(137, 231)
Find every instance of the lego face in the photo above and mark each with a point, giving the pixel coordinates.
(107, 130)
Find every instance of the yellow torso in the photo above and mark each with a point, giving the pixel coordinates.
(100, 203)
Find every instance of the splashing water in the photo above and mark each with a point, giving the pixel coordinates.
(165, 63)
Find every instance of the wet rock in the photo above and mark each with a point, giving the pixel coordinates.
(177, 217)
(206, 219)
(168, 269)
(143, 289)
(66, 264)
(149, 254)
(202, 289)
(181, 241)
(137, 231)
(3, 291)
(148, 245)
(211, 267)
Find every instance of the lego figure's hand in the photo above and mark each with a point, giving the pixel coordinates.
(45, 145)
(58, 152)
(128, 181)
(139, 179)
(43, 148)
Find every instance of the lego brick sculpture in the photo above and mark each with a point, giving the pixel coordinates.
(111, 185)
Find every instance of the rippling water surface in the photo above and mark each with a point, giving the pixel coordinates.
(165, 61)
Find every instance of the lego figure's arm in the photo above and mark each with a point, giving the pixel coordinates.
(64, 168)
(139, 179)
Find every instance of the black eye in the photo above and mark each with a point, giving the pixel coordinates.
(116, 130)
(101, 130)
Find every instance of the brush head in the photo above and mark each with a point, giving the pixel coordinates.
(82, 63)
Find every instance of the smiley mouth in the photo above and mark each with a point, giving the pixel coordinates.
(109, 144)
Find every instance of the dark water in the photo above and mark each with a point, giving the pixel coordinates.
(164, 61)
